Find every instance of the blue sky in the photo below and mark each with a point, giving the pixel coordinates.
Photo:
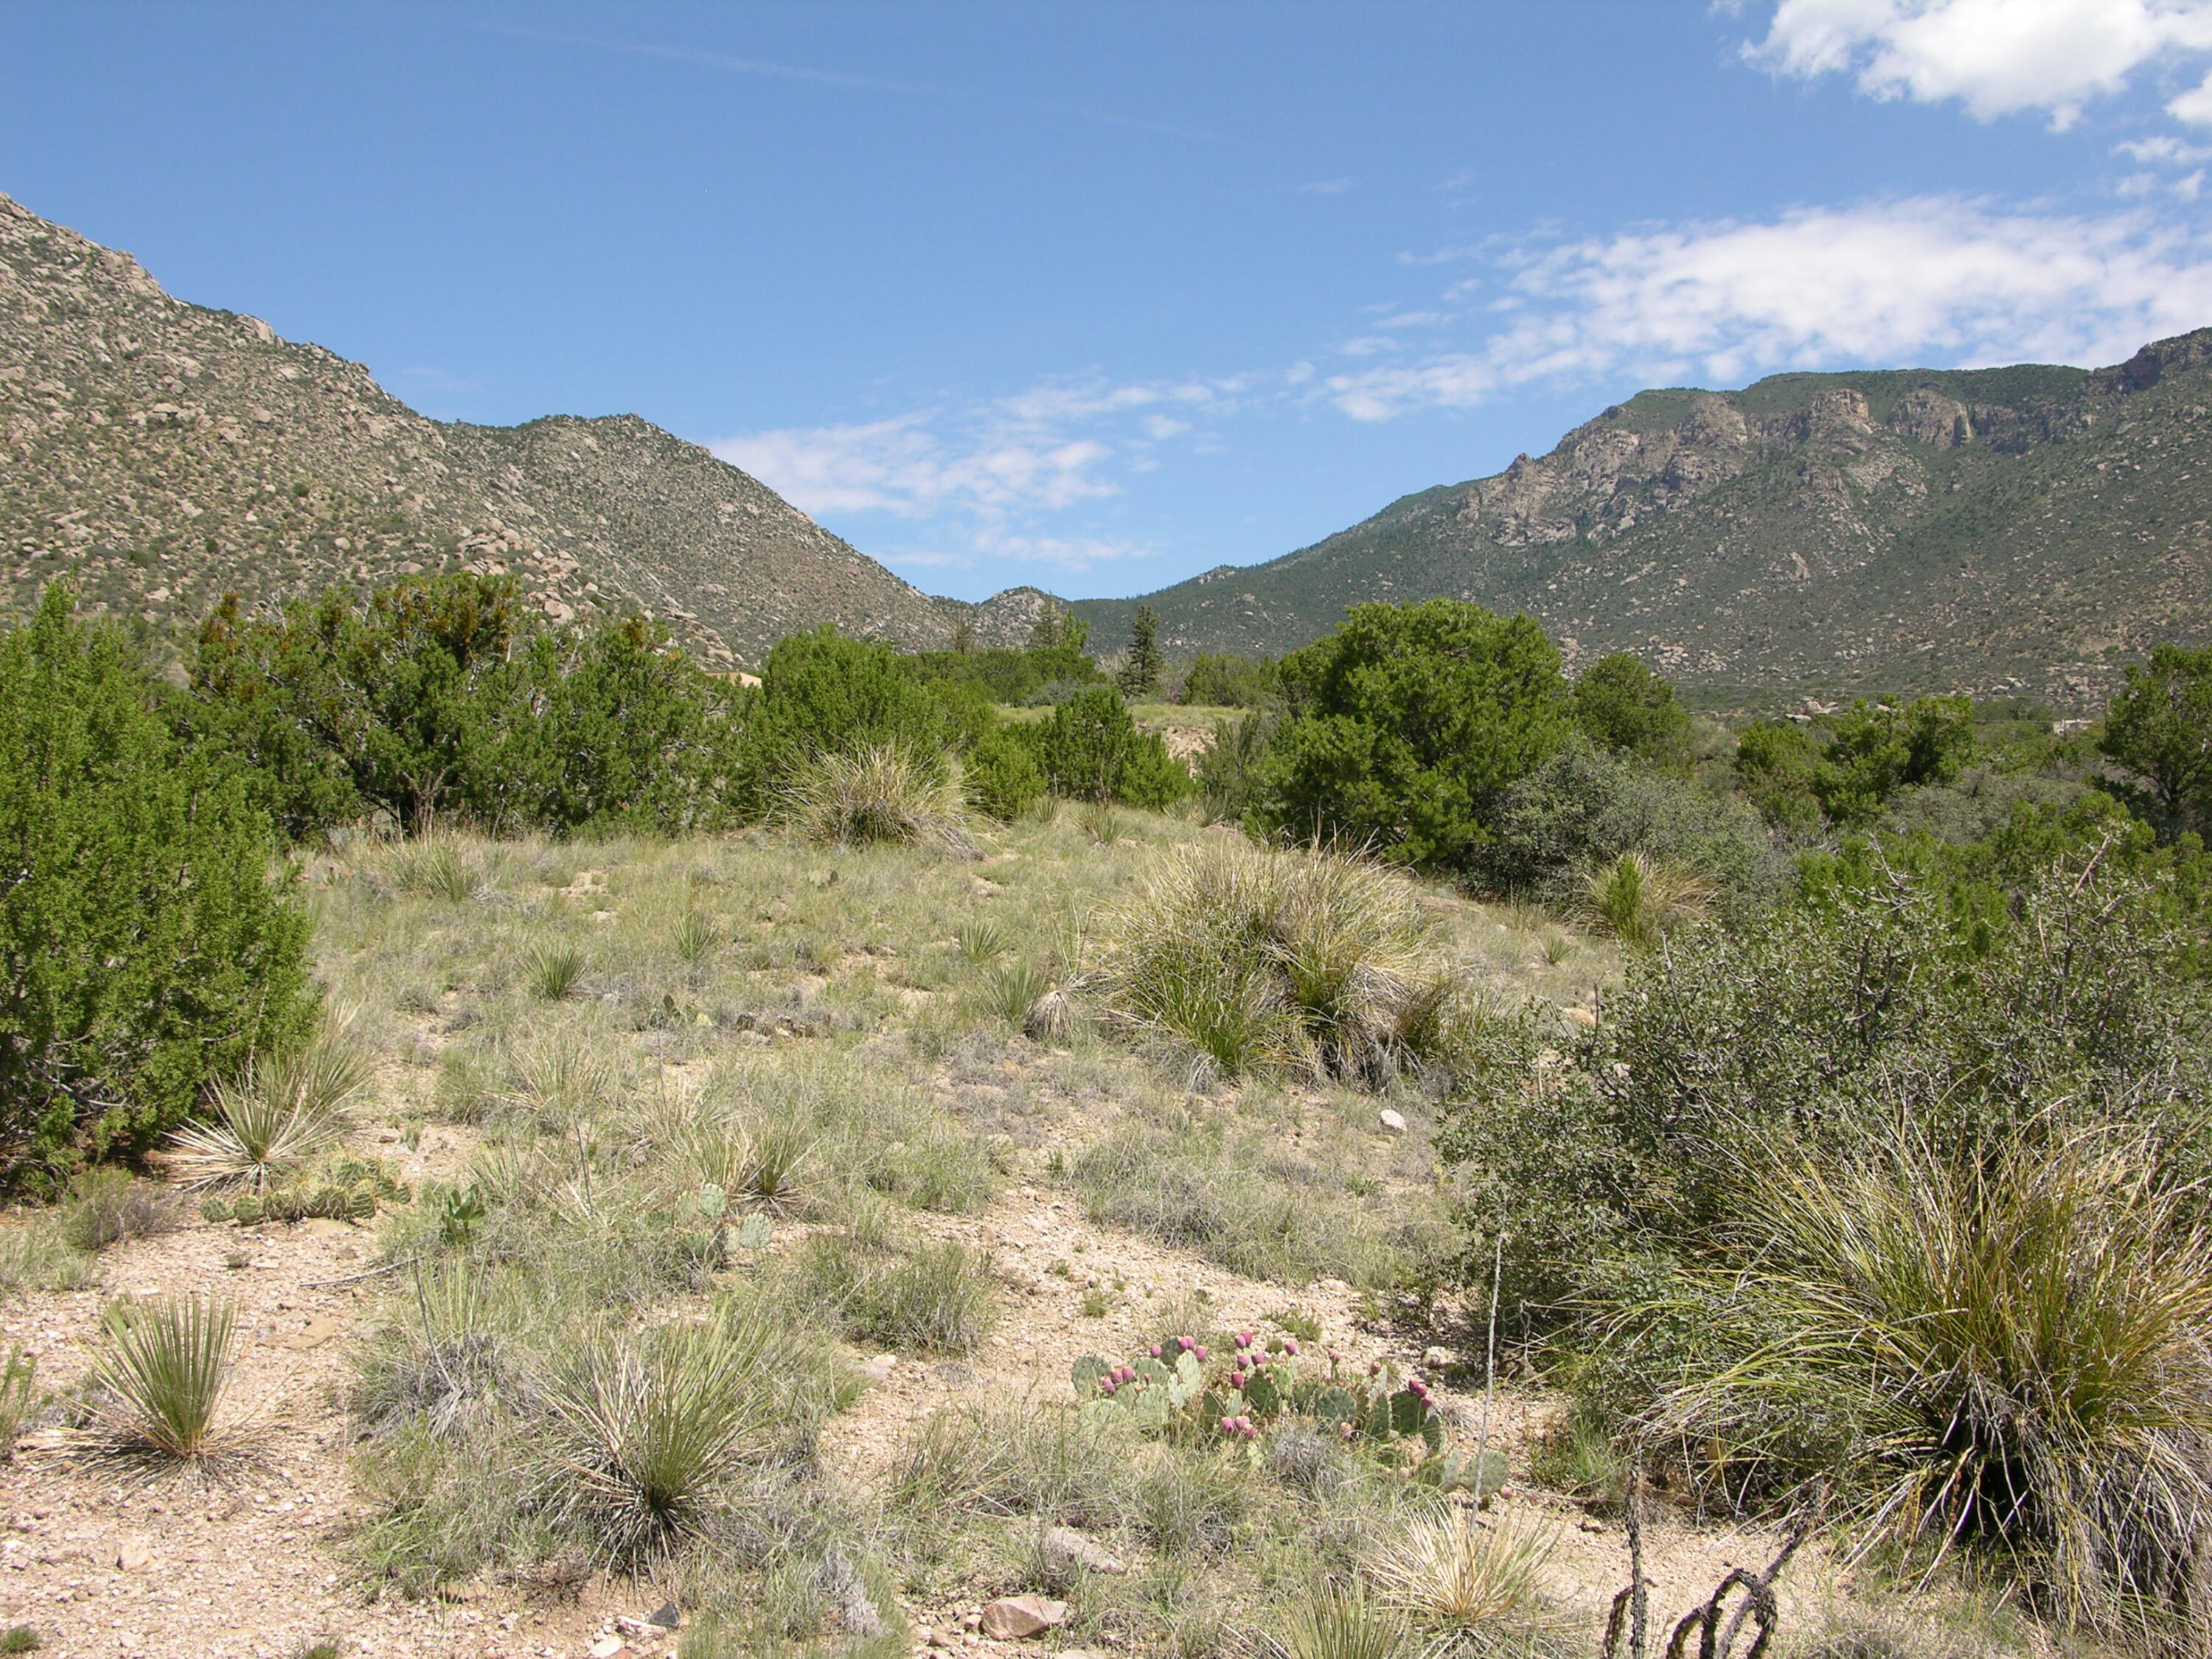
(1097, 296)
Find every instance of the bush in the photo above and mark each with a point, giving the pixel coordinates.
(2159, 728)
(823, 694)
(1584, 808)
(1221, 680)
(147, 949)
(878, 794)
(1812, 1028)
(1874, 751)
(1002, 777)
(111, 1206)
(1623, 707)
(1404, 725)
(1311, 961)
(1091, 750)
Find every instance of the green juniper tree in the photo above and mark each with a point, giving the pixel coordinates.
(1139, 678)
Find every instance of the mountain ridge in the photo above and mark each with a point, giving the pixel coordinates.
(2028, 528)
(160, 454)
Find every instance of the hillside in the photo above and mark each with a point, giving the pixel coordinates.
(2030, 528)
(160, 454)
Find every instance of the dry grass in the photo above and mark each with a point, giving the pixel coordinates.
(1312, 961)
(879, 794)
(1455, 1570)
(283, 1114)
(2007, 1348)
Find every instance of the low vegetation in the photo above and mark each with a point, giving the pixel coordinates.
(1814, 1110)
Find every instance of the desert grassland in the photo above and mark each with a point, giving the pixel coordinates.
(724, 1102)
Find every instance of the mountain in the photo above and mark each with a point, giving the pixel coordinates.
(2029, 529)
(160, 454)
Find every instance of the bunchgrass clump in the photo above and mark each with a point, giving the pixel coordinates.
(1015, 989)
(435, 864)
(1639, 899)
(2001, 1347)
(1311, 961)
(1341, 1621)
(1456, 1570)
(883, 793)
(982, 941)
(111, 1206)
(156, 1389)
(696, 936)
(935, 1298)
(284, 1113)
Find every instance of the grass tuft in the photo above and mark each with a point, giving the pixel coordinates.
(642, 1435)
(1453, 1570)
(553, 971)
(1640, 900)
(1340, 1622)
(1311, 961)
(110, 1206)
(879, 794)
(982, 941)
(696, 936)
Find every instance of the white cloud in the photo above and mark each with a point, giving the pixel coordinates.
(1933, 280)
(2195, 105)
(1996, 57)
(986, 475)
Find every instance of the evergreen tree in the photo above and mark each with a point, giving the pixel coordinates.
(1140, 675)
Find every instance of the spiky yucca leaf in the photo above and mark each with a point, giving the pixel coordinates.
(157, 1389)
(1639, 900)
(1340, 1622)
(2011, 1346)
(643, 1434)
(284, 1113)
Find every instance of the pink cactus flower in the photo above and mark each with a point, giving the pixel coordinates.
(1156, 1351)
(1290, 1347)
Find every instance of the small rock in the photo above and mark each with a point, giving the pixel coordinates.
(1393, 1120)
(606, 1647)
(878, 1371)
(1437, 1359)
(133, 1555)
(1011, 1617)
(666, 1616)
(1588, 1525)
(1583, 1016)
(1065, 1544)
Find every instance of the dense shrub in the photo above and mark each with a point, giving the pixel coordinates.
(1091, 750)
(1004, 776)
(1873, 751)
(1583, 807)
(2159, 728)
(1622, 706)
(1403, 725)
(433, 697)
(147, 949)
(1226, 681)
(1810, 1030)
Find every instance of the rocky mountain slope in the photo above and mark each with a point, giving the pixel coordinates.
(2027, 528)
(160, 454)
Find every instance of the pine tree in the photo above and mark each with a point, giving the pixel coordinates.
(1141, 673)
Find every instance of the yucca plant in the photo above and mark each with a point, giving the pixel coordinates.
(283, 1114)
(982, 941)
(553, 971)
(1341, 1622)
(2009, 1348)
(776, 1174)
(696, 936)
(434, 864)
(880, 794)
(1100, 823)
(19, 1395)
(1639, 900)
(157, 1389)
(641, 1434)
(1453, 1570)
(1015, 989)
